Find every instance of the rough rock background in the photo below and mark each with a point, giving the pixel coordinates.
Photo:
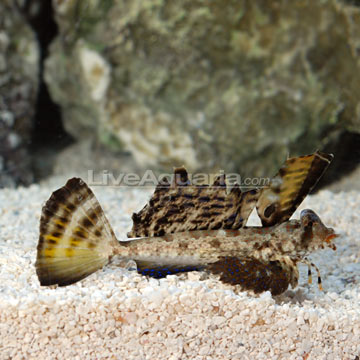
(236, 84)
(19, 71)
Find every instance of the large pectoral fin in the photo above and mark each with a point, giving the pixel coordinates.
(252, 274)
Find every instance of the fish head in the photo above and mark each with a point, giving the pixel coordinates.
(315, 235)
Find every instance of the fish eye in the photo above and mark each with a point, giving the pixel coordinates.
(309, 218)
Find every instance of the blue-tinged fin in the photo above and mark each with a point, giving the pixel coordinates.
(160, 271)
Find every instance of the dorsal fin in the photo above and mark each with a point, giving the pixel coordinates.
(295, 179)
(181, 206)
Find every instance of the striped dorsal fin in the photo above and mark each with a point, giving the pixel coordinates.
(181, 206)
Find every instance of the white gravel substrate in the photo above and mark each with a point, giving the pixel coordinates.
(118, 314)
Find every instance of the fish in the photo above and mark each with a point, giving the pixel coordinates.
(187, 227)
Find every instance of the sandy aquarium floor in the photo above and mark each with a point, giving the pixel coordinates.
(118, 314)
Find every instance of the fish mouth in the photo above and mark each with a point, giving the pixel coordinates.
(329, 239)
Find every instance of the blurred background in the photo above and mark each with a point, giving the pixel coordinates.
(129, 85)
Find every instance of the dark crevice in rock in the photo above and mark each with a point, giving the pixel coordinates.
(352, 2)
(346, 148)
(48, 135)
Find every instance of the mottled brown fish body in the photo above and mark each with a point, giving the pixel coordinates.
(186, 227)
(256, 258)
(203, 247)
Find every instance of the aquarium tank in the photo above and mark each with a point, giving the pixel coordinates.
(137, 131)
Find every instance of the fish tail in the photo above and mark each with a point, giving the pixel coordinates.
(75, 237)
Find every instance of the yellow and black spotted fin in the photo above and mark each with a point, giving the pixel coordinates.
(75, 238)
(295, 179)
